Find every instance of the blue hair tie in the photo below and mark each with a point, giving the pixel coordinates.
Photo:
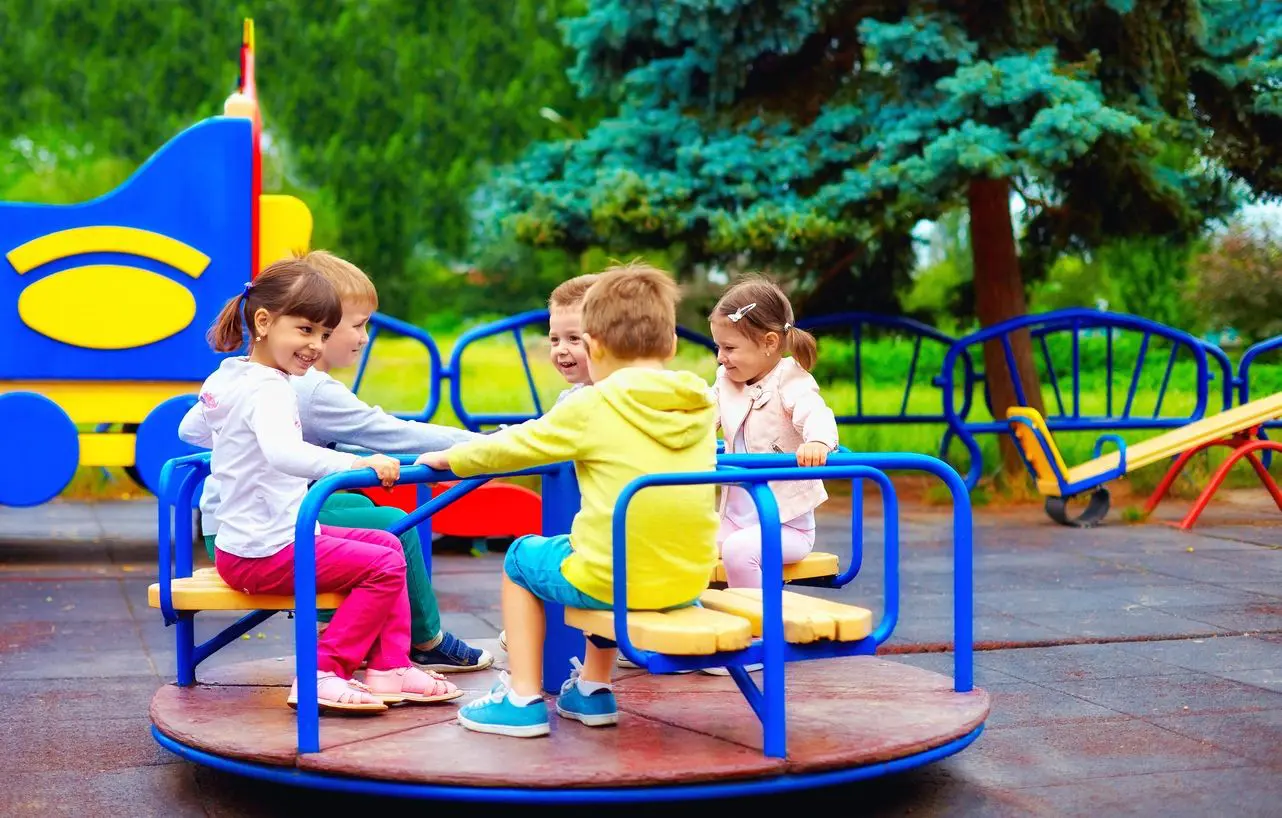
(249, 285)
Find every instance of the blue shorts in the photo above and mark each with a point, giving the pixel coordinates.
(534, 563)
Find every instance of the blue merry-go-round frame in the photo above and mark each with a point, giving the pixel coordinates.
(791, 782)
(184, 475)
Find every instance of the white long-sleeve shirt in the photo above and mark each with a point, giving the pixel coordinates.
(331, 414)
(248, 415)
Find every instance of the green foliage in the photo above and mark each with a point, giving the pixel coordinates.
(57, 170)
(384, 115)
(1240, 283)
(1072, 281)
(942, 292)
(1146, 277)
(1152, 277)
(936, 291)
(809, 135)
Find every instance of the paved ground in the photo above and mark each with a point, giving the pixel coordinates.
(1135, 670)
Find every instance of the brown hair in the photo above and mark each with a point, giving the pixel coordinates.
(352, 283)
(289, 287)
(570, 293)
(631, 310)
(772, 313)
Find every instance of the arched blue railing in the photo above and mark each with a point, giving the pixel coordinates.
(1244, 382)
(1064, 410)
(1244, 368)
(378, 323)
(515, 325)
(862, 325)
(858, 324)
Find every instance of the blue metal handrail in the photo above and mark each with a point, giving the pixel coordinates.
(178, 480)
(963, 532)
(768, 703)
(763, 468)
(1248, 359)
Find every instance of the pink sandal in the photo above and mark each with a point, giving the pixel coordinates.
(409, 684)
(338, 695)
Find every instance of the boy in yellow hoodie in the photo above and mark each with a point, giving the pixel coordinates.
(637, 418)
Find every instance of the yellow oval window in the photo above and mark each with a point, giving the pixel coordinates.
(106, 306)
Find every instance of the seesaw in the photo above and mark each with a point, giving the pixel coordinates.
(1237, 428)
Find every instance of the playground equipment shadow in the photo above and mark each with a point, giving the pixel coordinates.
(1132, 669)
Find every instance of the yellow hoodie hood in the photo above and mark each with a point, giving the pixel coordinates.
(675, 409)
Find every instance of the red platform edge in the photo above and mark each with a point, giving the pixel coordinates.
(494, 510)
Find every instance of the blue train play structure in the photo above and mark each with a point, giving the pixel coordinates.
(105, 304)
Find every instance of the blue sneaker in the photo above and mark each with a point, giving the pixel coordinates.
(452, 655)
(598, 709)
(495, 713)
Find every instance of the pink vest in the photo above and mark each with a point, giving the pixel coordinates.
(778, 413)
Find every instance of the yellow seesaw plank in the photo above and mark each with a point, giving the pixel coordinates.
(1161, 447)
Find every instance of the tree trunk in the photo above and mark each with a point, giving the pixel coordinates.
(999, 295)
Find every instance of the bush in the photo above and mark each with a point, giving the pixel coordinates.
(1146, 277)
(1239, 281)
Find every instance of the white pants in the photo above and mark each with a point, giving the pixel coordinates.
(741, 550)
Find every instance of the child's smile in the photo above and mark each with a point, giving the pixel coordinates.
(568, 352)
(568, 367)
(292, 345)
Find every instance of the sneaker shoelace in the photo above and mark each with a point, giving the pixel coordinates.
(500, 689)
(576, 670)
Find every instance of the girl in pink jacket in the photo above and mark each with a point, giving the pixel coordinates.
(768, 403)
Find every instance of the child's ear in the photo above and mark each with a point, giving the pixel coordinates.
(771, 342)
(262, 321)
(595, 351)
(673, 353)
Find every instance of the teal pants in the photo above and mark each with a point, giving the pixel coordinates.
(351, 510)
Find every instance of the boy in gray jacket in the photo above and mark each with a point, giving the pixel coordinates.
(330, 415)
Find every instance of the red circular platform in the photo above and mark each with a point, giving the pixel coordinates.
(677, 729)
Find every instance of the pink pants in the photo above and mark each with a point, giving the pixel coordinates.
(373, 622)
(741, 550)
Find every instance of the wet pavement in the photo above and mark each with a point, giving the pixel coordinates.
(1134, 669)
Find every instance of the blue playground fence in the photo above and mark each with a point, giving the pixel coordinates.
(1178, 364)
(1075, 351)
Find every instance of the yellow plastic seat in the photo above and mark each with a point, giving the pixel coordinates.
(1168, 444)
(806, 619)
(729, 620)
(204, 590)
(813, 565)
(689, 631)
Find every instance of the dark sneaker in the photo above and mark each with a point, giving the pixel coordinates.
(452, 655)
